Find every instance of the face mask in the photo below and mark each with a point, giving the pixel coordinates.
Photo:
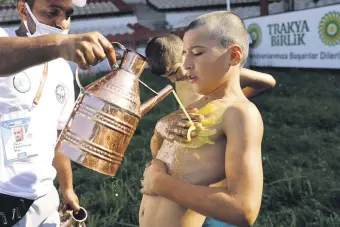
(41, 29)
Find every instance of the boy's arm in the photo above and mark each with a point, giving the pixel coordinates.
(238, 203)
(253, 82)
(222, 183)
(155, 143)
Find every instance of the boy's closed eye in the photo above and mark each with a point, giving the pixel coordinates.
(198, 53)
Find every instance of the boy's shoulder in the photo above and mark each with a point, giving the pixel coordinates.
(243, 106)
(242, 112)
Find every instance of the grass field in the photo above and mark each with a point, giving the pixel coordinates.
(301, 156)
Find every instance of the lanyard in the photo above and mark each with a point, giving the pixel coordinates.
(42, 83)
(40, 89)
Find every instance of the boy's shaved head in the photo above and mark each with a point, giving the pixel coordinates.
(163, 52)
(225, 27)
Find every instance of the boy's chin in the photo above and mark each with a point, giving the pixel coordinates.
(199, 90)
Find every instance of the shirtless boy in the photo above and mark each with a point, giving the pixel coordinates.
(178, 180)
(164, 55)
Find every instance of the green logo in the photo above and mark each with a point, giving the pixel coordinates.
(329, 28)
(256, 35)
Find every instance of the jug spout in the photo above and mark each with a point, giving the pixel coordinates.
(148, 105)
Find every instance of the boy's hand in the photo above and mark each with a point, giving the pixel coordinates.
(151, 172)
(174, 127)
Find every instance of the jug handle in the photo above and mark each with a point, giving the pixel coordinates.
(113, 68)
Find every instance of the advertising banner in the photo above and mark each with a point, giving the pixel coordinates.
(304, 39)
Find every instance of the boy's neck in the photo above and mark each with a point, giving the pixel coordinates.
(230, 89)
(186, 92)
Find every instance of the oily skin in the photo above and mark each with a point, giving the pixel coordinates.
(173, 129)
(178, 192)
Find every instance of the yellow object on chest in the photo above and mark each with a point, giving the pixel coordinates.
(213, 113)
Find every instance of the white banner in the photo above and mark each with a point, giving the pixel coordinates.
(307, 39)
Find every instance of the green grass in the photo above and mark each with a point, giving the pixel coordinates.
(301, 155)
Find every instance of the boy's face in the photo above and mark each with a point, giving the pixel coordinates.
(205, 61)
(176, 72)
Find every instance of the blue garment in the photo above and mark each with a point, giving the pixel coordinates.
(214, 223)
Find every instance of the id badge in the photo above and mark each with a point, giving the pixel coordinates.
(16, 137)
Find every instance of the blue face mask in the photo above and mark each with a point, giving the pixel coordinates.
(41, 29)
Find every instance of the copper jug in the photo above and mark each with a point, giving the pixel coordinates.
(106, 115)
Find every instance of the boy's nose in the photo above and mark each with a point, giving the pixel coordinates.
(187, 64)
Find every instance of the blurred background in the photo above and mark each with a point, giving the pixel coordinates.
(296, 41)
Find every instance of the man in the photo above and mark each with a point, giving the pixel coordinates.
(36, 87)
(18, 133)
(177, 181)
(164, 53)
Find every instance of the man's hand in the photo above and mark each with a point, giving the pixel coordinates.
(174, 127)
(152, 170)
(87, 49)
(71, 199)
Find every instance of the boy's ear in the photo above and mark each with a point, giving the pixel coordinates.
(236, 55)
(22, 10)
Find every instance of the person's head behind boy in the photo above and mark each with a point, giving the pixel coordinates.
(215, 48)
(165, 56)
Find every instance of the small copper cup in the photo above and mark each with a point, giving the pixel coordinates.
(69, 219)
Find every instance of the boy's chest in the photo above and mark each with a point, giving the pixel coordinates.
(204, 164)
(201, 161)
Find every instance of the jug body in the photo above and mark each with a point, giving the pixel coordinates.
(98, 134)
(104, 118)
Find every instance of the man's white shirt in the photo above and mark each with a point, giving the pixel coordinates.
(32, 178)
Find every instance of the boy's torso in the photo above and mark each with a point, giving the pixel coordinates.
(202, 165)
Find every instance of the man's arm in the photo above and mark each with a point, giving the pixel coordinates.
(19, 53)
(239, 203)
(64, 170)
(253, 82)
(62, 164)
